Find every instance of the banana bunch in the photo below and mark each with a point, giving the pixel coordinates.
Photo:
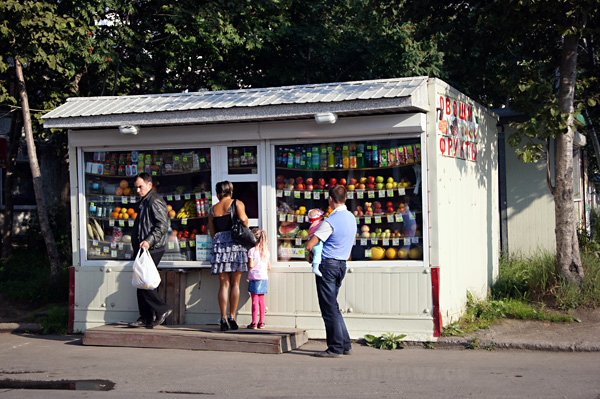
(95, 230)
(187, 211)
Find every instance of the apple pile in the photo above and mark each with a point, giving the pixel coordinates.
(351, 184)
(365, 232)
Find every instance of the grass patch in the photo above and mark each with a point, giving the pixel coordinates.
(54, 320)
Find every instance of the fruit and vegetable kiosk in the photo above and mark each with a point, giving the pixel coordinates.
(417, 157)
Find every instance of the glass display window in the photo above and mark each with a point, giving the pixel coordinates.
(182, 177)
(383, 179)
(242, 160)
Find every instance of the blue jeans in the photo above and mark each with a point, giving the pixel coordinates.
(328, 287)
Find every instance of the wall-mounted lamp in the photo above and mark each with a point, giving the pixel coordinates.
(129, 129)
(325, 117)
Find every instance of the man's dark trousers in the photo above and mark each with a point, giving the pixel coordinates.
(328, 286)
(149, 302)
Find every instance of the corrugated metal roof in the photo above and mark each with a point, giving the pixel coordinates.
(239, 105)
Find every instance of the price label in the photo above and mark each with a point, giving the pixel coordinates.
(187, 196)
(171, 245)
(407, 241)
(390, 218)
(184, 221)
(127, 256)
(360, 194)
(398, 217)
(300, 218)
(131, 222)
(411, 215)
(297, 194)
(169, 197)
(317, 195)
(415, 240)
(307, 195)
(390, 193)
(198, 195)
(133, 200)
(279, 193)
(381, 193)
(177, 197)
(290, 217)
(106, 250)
(378, 219)
(326, 194)
(287, 193)
(401, 191)
(374, 241)
(192, 244)
(386, 241)
(122, 223)
(298, 241)
(125, 200)
(350, 195)
(95, 243)
(364, 241)
(183, 244)
(111, 198)
(371, 194)
(113, 253)
(357, 220)
(120, 246)
(367, 253)
(282, 217)
(111, 222)
(367, 219)
(395, 241)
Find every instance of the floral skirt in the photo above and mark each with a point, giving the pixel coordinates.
(227, 255)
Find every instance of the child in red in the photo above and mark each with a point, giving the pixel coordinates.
(258, 267)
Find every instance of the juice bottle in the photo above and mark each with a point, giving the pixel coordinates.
(375, 157)
(369, 157)
(303, 159)
(298, 159)
(360, 155)
(315, 157)
(345, 156)
(290, 158)
(323, 157)
(353, 160)
(338, 157)
(330, 157)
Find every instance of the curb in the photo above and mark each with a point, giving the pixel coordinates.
(9, 328)
(483, 343)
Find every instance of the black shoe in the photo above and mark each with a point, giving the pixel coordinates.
(149, 326)
(224, 325)
(348, 352)
(136, 324)
(327, 354)
(161, 319)
(232, 323)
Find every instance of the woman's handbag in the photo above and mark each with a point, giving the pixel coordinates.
(240, 233)
(145, 275)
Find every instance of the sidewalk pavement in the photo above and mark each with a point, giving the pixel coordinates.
(506, 334)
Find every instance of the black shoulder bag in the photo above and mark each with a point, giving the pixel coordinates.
(240, 233)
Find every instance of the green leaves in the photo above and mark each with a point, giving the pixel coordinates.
(387, 341)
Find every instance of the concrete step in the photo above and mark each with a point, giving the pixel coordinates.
(197, 337)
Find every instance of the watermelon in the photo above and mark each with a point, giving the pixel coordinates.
(289, 230)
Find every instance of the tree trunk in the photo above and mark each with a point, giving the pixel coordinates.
(568, 263)
(9, 183)
(38, 186)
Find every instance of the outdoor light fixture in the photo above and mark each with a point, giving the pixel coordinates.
(129, 129)
(325, 117)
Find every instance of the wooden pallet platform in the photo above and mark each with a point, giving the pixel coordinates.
(197, 337)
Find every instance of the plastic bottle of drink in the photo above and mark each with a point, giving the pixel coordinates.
(360, 155)
(345, 156)
(330, 157)
(369, 157)
(284, 153)
(339, 163)
(323, 157)
(290, 158)
(315, 157)
(304, 159)
(353, 160)
(375, 157)
(198, 208)
(298, 160)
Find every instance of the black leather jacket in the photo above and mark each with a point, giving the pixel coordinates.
(152, 223)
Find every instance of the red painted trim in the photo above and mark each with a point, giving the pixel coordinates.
(435, 292)
(71, 297)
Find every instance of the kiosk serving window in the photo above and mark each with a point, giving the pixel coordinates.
(183, 178)
(383, 179)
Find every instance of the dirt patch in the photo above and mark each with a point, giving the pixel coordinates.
(12, 311)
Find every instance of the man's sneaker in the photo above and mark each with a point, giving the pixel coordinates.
(327, 354)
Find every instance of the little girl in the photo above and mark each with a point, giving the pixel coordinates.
(258, 267)
(315, 217)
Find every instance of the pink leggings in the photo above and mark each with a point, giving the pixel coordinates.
(258, 302)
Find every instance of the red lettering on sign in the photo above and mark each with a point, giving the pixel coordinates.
(442, 101)
(443, 145)
(448, 106)
(474, 150)
(470, 113)
(454, 108)
(450, 146)
(462, 149)
(462, 111)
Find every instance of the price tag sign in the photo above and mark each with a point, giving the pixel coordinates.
(198, 195)
(95, 243)
(307, 194)
(111, 222)
(183, 244)
(192, 243)
(371, 194)
(169, 197)
(113, 253)
(133, 200)
(184, 221)
(287, 193)
(187, 196)
(390, 193)
(122, 223)
(357, 220)
(326, 194)
(367, 219)
(177, 197)
(395, 241)
(401, 191)
(411, 215)
(111, 198)
(367, 253)
(381, 193)
(282, 217)
(398, 217)
(350, 195)
(106, 250)
(125, 200)
(298, 242)
(390, 218)
(290, 217)
(374, 241)
(131, 222)
(360, 194)
(386, 241)
(364, 241)
(415, 240)
(297, 194)
(406, 240)
(120, 246)
(317, 195)
(127, 256)
(300, 218)
(279, 193)
(171, 245)
(378, 219)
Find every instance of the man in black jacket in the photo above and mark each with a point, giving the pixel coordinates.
(150, 227)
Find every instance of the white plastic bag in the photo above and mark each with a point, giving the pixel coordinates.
(145, 275)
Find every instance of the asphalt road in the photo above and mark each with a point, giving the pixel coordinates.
(413, 372)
